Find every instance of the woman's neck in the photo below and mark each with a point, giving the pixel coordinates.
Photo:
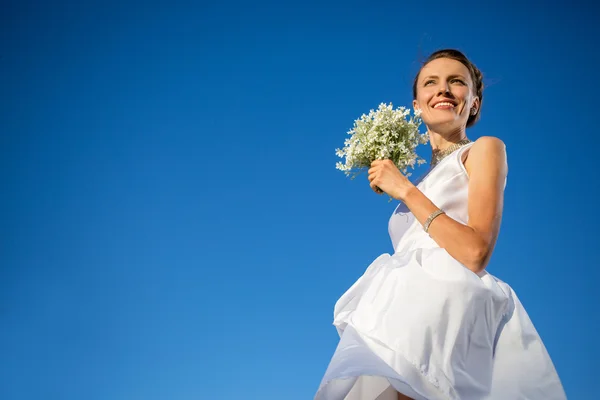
(440, 142)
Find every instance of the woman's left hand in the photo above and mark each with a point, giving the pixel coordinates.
(384, 175)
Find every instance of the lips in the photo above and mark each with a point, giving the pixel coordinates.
(444, 103)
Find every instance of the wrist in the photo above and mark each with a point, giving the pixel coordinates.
(408, 192)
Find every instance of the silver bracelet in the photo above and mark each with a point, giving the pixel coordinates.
(433, 216)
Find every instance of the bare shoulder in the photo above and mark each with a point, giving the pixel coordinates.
(487, 153)
(489, 144)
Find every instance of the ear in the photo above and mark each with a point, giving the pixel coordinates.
(415, 105)
(476, 103)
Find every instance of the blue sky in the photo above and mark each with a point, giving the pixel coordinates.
(172, 223)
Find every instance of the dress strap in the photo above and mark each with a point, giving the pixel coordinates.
(461, 155)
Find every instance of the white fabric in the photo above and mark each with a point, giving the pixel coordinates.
(421, 323)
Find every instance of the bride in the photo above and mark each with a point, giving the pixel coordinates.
(429, 322)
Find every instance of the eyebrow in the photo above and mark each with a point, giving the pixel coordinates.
(450, 77)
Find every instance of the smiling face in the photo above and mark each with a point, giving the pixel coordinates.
(445, 94)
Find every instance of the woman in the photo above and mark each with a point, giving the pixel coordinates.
(429, 322)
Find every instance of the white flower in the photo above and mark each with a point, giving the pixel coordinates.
(382, 134)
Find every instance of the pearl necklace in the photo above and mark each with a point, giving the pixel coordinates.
(440, 155)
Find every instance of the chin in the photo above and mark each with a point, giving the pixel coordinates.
(446, 123)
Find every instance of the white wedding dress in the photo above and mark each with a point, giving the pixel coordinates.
(421, 323)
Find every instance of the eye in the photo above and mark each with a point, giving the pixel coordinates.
(456, 80)
(428, 82)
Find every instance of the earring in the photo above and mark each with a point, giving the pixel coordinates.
(473, 111)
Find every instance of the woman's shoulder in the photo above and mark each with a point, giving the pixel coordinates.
(488, 152)
(489, 144)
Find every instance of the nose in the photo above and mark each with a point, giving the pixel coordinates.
(443, 89)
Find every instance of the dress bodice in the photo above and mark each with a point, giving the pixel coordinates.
(446, 185)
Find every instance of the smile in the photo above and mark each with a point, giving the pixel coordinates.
(444, 105)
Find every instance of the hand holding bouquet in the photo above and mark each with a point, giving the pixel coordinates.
(380, 140)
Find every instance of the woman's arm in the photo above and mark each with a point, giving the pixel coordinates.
(470, 244)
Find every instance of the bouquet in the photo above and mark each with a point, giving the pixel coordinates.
(383, 134)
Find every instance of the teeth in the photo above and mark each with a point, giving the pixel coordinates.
(443, 103)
